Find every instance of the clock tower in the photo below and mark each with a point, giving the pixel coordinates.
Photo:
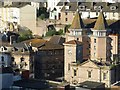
(77, 31)
(73, 52)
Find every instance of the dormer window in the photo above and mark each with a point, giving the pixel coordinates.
(81, 7)
(97, 7)
(113, 8)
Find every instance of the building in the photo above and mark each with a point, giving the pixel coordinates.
(89, 85)
(89, 10)
(6, 77)
(77, 31)
(49, 59)
(102, 64)
(22, 14)
(51, 7)
(22, 52)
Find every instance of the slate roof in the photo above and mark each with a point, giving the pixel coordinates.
(56, 39)
(106, 7)
(18, 4)
(101, 23)
(6, 70)
(60, 4)
(91, 84)
(54, 43)
(74, 42)
(33, 84)
(33, 42)
(77, 22)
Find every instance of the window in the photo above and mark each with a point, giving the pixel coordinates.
(75, 72)
(2, 58)
(21, 59)
(66, 13)
(97, 7)
(66, 19)
(113, 14)
(94, 47)
(94, 40)
(2, 49)
(96, 13)
(113, 8)
(104, 76)
(68, 67)
(89, 74)
(82, 7)
(94, 54)
(59, 16)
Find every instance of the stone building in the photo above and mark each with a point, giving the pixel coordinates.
(88, 10)
(49, 59)
(103, 62)
(22, 14)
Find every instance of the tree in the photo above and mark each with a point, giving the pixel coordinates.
(51, 33)
(42, 12)
(60, 32)
(42, 16)
(54, 32)
(25, 35)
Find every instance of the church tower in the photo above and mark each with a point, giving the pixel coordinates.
(99, 40)
(78, 32)
(73, 53)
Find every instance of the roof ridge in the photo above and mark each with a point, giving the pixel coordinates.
(73, 42)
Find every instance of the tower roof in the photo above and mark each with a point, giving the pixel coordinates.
(101, 23)
(77, 22)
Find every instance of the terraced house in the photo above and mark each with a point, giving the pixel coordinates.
(88, 10)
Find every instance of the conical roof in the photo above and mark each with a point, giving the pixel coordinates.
(101, 23)
(77, 22)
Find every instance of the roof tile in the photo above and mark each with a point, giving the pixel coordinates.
(101, 23)
(77, 22)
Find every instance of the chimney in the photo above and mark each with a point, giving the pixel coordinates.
(30, 43)
(65, 3)
(11, 41)
(92, 4)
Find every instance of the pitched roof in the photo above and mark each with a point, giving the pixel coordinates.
(56, 42)
(4, 70)
(34, 42)
(91, 84)
(101, 23)
(77, 22)
(74, 42)
(57, 39)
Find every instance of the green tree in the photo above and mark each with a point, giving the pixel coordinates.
(24, 35)
(51, 33)
(60, 32)
(42, 11)
(42, 16)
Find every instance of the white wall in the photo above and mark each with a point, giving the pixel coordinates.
(7, 59)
